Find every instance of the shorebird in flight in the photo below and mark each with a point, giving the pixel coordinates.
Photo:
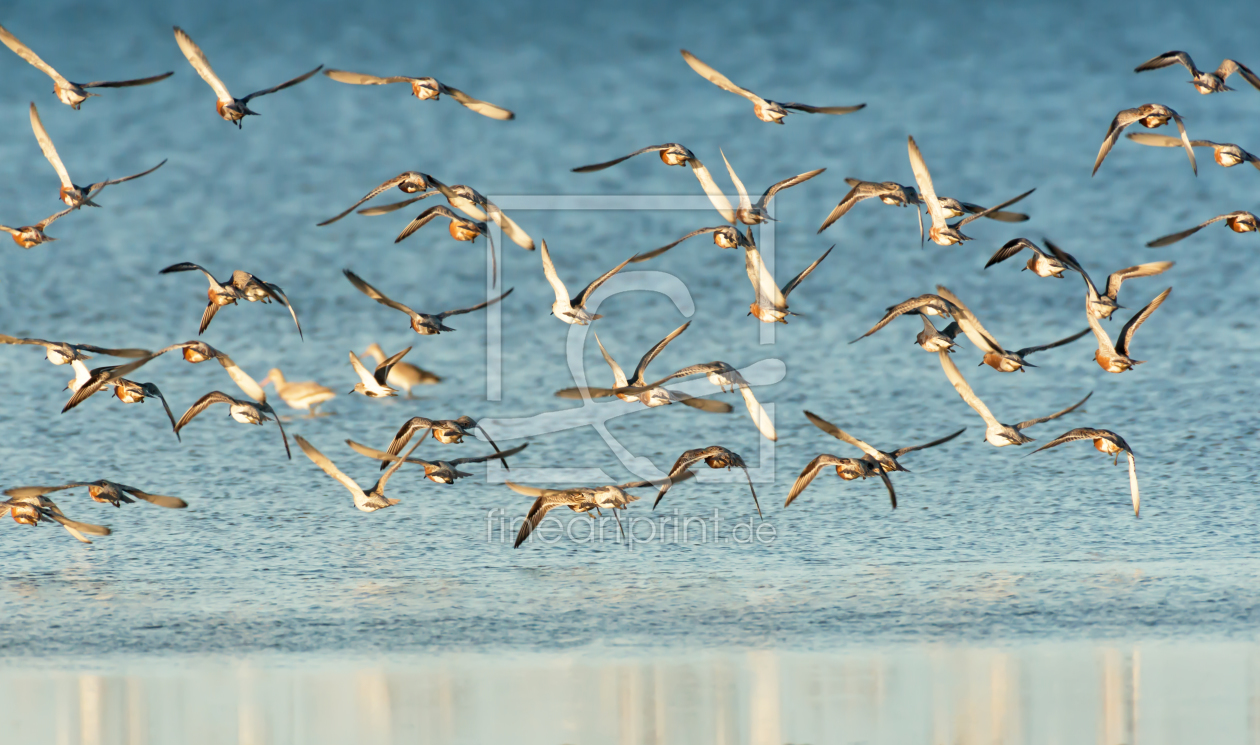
(726, 377)
(771, 304)
(408, 182)
(365, 501)
(1041, 263)
(765, 109)
(242, 286)
(886, 461)
(71, 94)
(1105, 441)
(304, 395)
(755, 214)
(1150, 115)
(846, 468)
(461, 229)
(572, 310)
(1225, 154)
(130, 392)
(424, 89)
(72, 195)
(644, 393)
(1204, 82)
(424, 324)
(896, 195)
(465, 199)
(245, 412)
(995, 356)
(937, 341)
(30, 236)
(1116, 359)
(942, 233)
(86, 382)
(105, 492)
(995, 433)
(674, 154)
(440, 471)
(927, 305)
(580, 499)
(63, 353)
(403, 374)
(714, 456)
(196, 352)
(445, 431)
(724, 236)
(1103, 304)
(1239, 222)
(372, 384)
(33, 509)
(232, 109)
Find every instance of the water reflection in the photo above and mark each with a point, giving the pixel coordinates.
(1061, 693)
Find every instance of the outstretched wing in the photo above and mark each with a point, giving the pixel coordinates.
(784, 184)
(1043, 347)
(203, 403)
(1169, 58)
(809, 473)
(1141, 270)
(282, 86)
(792, 283)
(910, 449)
(585, 294)
(768, 293)
(970, 324)
(610, 163)
(1130, 328)
(923, 178)
(327, 466)
(374, 293)
(50, 151)
(646, 360)
(481, 107)
(840, 434)
(102, 184)
(197, 59)
(718, 79)
(1174, 237)
(25, 53)
(1056, 415)
(964, 390)
(385, 186)
(711, 189)
(478, 306)
(822, 109)
(126, 83)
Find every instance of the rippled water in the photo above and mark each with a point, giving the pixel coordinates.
(271, 557)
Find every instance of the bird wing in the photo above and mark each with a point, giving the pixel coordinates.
(53, 218)
(913, 303)
(243, 381)
(130, 352)
(174, 503)
(784, 184)
(282, 86)
(1154, 140)
(860, 191)
(964, 390)
(703, 404)
(1185, 141)
(50, 151)
(283, 299)
(197, 59)
(381, 455)
(1053, 344)
(150, 387)
(395, 206)
(327, 466)
(478, 306)
(810, 472)
(1056, 415)
(822, 109)
(971, 325)
(1009, 249)
(768, 293)
(1133, 482)
(995, 209)
(481, 107)
(126, 83)
(580, 299)
(102, 184)
(99, 378)
(25, 53)
(1174, 237)
(509, 227)
(608, 164)
(744, 202)
(719, 200)
(619, 376)
(382, 370)
(923, 178)
(213, 397)
(1080, 433)
(360, 370)
(379, 488)
(1117, 278)
(582, 393)
(359, 78)
(992, 214)
(26, 492)
(207, 316)
(718, 79)
(1229, 67)
(77, 529)
(792, 283)
(840, 434)
(500, 455)
(422, 219)
(385, 186)
(911, 448)
(553, 279)
(1169, 58)
(641, 368)
(658, 251)
(1068, 260)
(375, 294)
(1104, 340)
(1130, 328)
(1122, 120)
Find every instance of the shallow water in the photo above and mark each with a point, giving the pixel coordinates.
(986, 546)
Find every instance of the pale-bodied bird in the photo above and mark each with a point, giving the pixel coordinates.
(942, 232)
(714, 456)
(408, 182)
(889, 192)
(1204, 82)
(72, 195)
(755, 214)
(995, 355)
(372, 384)
(1041, 263)
(425, 324)
(242, 286)
(726, 377)
(571, 309)
(580, 499)
(232, 109)
(304, 395)
(1115, 358)
(424, 89)
(765, 109)
(403, 374)
(370, 500)
(885, 460)
(1150, 115)
(1225, 154)
(438, 471)
(445, 431)
(71, 94)
(63, 353)
(927, 305)
(937, 341)
(1239, 222)
(996, 433)
(245, 412)
(1105, 441)
(771, 304)
(1103, 304)
(105, 492)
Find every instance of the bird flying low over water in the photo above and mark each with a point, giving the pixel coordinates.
(1041, 263)
(937, 341)
(1239, 222)
(424, 89)
(232, 109)
(372, 384)
(1103, 304)
(446, 431)
(724, 236)
(440, 471)
(771, 304)
(674, 154)
(888, 192)
(1116, 359)
(71, 94)
(84, 385)
(580, 499)
(714, 456)
(30, 236)
(572, 310)
(928, 305)
(942, 233)
(403, 374)
(1225, 154)
(245, 412)
(1108, 442)
(765, 109)
(304, 395)
(408, 182)
(243, 286)
(63, 353)
(846, 468)
(105, 492)
(74, 196)
(995, 433)
(32, 509)
(1150, 115)
(995, 356)
(755, 214)
(1204, 82)
(724, 376)
(424, 324)
(874, 456)
(196, 351)
(369, 500)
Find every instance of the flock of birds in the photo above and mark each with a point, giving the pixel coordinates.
(466, 219)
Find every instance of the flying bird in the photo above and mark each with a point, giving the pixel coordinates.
(408, 182)
(445, 431)
(995, 356)
(30, 236)
(928, 305)
(71, 94)
(724, 236)
(34, 509)
(1239, 222)
(755, 214)
(195, 352)
(440, 471)
(424, 89)
(403, 374)
(942, 233)
(771, 303)
(572, 310)
(1150, 115)
(1204, 82)
(304, 395)
(232, 109)
(242, 286)
(580, 499)
(1041, 263)
(372, 384)
(726, 377)
(887, 461)
(105, 492)
(370, 500)
(714, 456)
(1105, 441)
(846, 468)
(1103, 304)
(674, 154)
(1225, 154)
(425, 324)
(1116, 359)
(765, 109)
(245, 412)
(63, 353)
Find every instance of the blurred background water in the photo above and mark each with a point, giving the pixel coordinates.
(270, 569)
